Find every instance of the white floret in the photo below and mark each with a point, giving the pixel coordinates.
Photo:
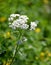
(33, 25)
(14, 15)
(23, 17)
(24, 26)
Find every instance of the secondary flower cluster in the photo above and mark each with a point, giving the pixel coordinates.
(20, 21)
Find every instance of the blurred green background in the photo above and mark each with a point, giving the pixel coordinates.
(37, 50)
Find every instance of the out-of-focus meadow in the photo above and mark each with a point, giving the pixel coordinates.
(37, 49)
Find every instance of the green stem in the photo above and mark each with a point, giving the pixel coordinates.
(16, 50)
(14, 55)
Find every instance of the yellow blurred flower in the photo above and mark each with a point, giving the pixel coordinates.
(7, 64)
(45, 1)
(49, 54)
(42, 54)
(7, 35)
(37, 30)
(2, 19)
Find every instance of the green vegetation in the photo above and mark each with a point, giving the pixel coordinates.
(37, 49)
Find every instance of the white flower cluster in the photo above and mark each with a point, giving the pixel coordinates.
(20, 21)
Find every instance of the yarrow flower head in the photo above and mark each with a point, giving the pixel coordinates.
(20, 21)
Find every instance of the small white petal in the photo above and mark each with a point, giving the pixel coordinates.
(33, 26)
(24, 26)
(23, 17)
(14, 15)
